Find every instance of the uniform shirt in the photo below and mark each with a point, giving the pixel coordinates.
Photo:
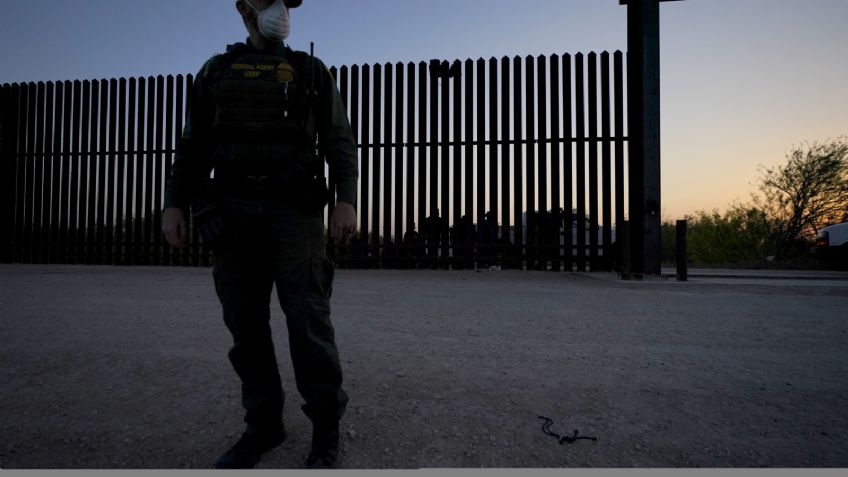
(193, 164)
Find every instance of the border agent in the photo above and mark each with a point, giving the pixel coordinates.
(260, 116)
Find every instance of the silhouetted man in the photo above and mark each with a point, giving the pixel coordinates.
(261, 115)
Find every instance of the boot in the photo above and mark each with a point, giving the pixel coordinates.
(246, 452)
(325, 448)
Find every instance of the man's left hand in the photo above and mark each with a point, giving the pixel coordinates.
(343, 223)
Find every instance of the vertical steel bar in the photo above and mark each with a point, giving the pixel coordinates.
(343, 79)
(494, 194)
(56, 174)
(121, 160)
(179, 115)
(593, 161)
(422, 146)
(643, 40)
(399, 148)
(156, 203)
(81, 239)
(682, 260)
(568, 161)
(376, 160)
(388, 157)
(47, 238)
(91, 191)
(75, 201)
(481, 148)
(555, 220)
(433, 162)
(111, 163)
(138, 217)
(618, 80)
(74, 197)
(518, 161)
(8, 160)
(542, 127)
(129, 249)
(354, 124)
(21, 173)
(331, 187)
(388, 154)
(410, 151)
(444, 182)
(581, 162)
(32, 118)
(102, 165)
(606, 174)
(365, 169)
(506, 198)
(5, 125)
(67, 167)
(542, 134)
(327, 213)
(39, 159)
(167, 258)
(8, 125)
(433, 178)
(456, 193)
(530, 118)
(470, 149)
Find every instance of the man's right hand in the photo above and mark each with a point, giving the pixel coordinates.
(174, 226)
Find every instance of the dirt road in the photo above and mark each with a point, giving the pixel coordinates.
(106, 367)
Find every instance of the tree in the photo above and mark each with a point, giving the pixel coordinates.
(807, 193)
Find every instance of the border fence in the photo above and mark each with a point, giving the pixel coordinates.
(511, 162)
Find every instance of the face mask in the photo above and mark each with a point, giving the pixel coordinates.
(273, 22)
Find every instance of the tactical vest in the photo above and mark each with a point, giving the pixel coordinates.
(261, 120)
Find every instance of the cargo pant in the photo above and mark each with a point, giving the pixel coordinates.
(266, 243)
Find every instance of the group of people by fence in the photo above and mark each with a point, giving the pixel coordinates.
(464, 245)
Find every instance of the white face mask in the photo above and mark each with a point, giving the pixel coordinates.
(274, 21)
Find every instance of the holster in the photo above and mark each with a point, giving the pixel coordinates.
(206, 212)
(316, 195)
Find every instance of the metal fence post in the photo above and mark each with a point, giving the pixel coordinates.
(682, 256)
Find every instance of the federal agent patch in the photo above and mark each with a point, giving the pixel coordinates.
(285, 73)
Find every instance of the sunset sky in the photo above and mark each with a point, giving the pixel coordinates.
(743, 81)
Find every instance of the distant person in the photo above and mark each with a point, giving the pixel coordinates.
(410, 246)
(259, 114)
(487, 235)
(432, 234)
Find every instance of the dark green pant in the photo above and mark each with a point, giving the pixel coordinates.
(267, 243)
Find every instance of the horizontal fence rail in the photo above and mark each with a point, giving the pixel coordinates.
(510, 162)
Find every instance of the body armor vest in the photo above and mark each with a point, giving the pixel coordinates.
(261, 120)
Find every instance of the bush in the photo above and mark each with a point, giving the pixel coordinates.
(740, 236)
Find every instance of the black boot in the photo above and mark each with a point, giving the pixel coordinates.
(325, 448)
(246, 452)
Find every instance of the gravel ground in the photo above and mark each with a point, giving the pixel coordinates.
(106, 367)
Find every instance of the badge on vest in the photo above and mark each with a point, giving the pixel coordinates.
(285, 73)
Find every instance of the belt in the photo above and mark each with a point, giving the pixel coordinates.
(253, 184)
